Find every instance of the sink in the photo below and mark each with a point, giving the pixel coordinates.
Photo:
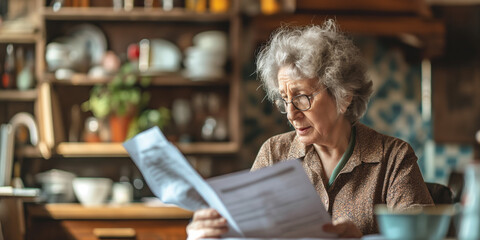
(7, 142)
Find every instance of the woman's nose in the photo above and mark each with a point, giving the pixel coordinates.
(292, 111)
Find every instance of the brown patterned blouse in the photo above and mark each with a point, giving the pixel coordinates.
(381, 170)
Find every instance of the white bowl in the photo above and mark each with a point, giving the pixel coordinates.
(205, 60)
(205, 53)
(165, 56)
(92, 191)
(204, 73)
(214, 40)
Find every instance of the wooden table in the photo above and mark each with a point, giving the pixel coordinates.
(133, 221)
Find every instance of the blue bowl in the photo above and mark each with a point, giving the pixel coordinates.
(421, 223)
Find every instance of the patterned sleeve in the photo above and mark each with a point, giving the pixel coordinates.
(407, 187)
(263, 158)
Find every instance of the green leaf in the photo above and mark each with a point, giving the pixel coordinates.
(130, 80)
(145, 81)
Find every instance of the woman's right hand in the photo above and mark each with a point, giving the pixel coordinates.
(206, 223)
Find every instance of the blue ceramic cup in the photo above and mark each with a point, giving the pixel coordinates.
(418, 223)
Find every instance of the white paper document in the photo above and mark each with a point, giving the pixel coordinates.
(277, 201)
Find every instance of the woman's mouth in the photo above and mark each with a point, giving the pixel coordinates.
(303, 130)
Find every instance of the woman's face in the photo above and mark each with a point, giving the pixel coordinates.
(316, 125)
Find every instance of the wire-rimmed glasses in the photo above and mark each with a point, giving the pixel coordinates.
(301, 102)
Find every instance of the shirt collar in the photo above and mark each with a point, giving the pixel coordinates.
(366, 148)
(297, 149)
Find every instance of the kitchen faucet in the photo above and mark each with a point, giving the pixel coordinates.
(7, 142)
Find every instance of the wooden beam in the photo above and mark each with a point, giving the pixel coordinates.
(412, 7)
(430, 32)
(371, 25)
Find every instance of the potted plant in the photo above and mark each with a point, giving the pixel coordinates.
(119, 101)
(148, 118)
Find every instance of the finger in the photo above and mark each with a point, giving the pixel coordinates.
(206, 233)
(329, 228)
(343, 228)
(348, 230)
(338, 229)
(208, 223)
(206, 213)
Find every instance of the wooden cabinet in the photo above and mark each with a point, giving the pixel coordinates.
(72, 221)
(110, 229)
(122, 28)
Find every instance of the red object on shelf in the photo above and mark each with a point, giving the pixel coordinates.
(7, 80)
(133, 52)
(119, 127)
(8, 76)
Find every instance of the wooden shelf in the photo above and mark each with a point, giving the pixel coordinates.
(131, 211)
(79, 149)
(18, 95)
(18, 37)
(170, 79)
(136, 14)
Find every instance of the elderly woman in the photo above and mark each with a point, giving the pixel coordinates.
(315, 76)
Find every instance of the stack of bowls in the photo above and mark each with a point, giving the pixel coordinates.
(207, 57)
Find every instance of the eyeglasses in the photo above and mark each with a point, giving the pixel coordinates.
(301, 102)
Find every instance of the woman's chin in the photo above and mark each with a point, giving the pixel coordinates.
(307, 140)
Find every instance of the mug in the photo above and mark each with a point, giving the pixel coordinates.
(122, 193)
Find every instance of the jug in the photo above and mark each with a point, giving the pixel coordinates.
(470, 216)
(56, 186)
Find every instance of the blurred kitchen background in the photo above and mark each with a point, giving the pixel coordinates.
(78, 77)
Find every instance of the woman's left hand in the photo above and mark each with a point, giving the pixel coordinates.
(344, 228)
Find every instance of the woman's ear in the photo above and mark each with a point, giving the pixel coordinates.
(348, 101)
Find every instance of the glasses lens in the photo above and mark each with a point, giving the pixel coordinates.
(301, 102)
(281, 105)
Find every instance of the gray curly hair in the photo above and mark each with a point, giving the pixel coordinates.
(320, 52)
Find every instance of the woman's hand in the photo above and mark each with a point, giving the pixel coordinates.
(343, 228)
(206, 223)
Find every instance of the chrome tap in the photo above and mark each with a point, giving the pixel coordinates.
(7, 140)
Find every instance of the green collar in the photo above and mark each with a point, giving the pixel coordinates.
(345, 157)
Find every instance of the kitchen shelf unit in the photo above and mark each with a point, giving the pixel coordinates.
(13, 101)
(139, 19)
